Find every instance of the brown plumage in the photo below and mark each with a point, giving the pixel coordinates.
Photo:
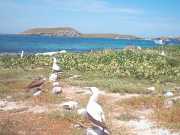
(98, 123)
(37, 83)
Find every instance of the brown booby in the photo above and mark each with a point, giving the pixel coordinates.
(36, 83)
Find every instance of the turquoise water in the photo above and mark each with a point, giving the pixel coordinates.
(34, 44)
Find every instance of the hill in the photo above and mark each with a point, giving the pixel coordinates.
(60, 31)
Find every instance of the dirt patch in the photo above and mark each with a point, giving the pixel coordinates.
(33, 124)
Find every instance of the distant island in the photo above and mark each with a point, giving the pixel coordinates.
(71, 32)
(63, 31)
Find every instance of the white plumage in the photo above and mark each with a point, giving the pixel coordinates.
(93, 108)
(93, 131)
(82, 112)
(55, 67)
(56, 84)
(96, 115)
(53, 77)
(163, 53)
(22, 54)
(56, 90)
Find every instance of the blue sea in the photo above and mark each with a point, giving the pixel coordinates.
(36, 44)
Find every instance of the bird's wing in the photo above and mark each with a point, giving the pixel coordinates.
(95, 111)
(35, 83)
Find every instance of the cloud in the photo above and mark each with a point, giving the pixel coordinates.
(92, 6)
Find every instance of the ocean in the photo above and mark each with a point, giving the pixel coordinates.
(39, 44)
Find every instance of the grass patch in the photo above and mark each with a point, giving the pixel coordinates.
(72, 117)
(126, 117)
(143, 102)
(7, 127)
(65, 115)
(116, 85)
(169, 117)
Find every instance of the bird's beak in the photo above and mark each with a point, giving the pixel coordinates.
(89, 91)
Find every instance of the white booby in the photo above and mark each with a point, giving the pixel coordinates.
(22, 54)
(95, 112)
(163, 53)
(57, 90)
(53, 77)
(55, 67)
(56, 84)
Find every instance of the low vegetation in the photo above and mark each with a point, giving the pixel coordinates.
(143, 64)
(118, 71)
(168, 117)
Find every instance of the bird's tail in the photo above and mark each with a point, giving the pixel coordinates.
(106, 131)
(102, 125)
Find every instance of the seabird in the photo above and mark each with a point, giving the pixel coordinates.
(95, 112)
(22, 54)
(57, 90)
(163, 53)
(53, 77)
(55, 67)
(37, 83)
(56, 84)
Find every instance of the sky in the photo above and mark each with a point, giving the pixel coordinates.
(135, 17)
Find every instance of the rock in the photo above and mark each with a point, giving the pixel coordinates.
(168, 103)
(132, 48)
(53, 77)
(3, 103)
(77, 126)
(177, 89)
(152, 89)
(171, 101)
(9, 97)
(38, 109)
(168, 94)
(75, 76)
(63, 51)
(82, 112)
(141, 124)
(38, 93)
(71, 105)
(56, 84)
(57, 90)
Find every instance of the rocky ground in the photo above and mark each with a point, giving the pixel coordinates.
(36, 115)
